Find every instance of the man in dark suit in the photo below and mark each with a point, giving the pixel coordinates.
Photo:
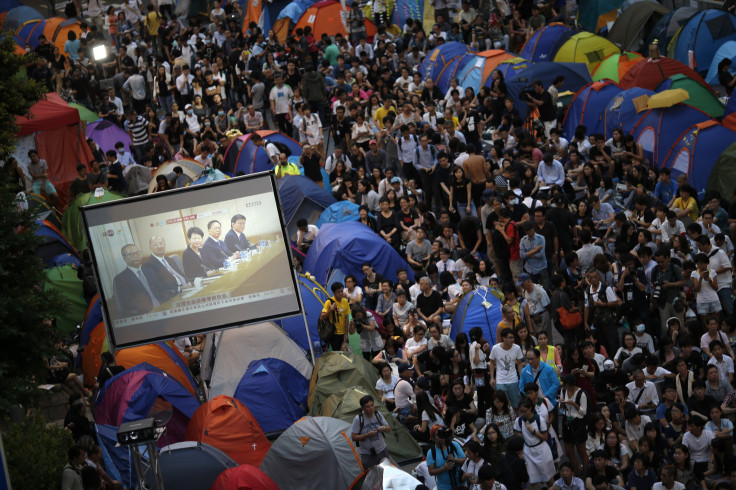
(131, 287)
(214, 251)
(235, 239)
(163, 274)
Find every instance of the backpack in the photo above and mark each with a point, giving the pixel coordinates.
(411, 136)
(602, 317)
(432, 149)
(380, 418)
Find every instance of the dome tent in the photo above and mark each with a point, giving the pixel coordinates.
(71, 223)
(727, 51)
(440, 56)
(163, 356)
(339, 212)
(509, 68)
(669, 25)
(314, 297)
(700, 97)
(585, 48)
(615, 66)
(325, 17)
(274, 392)
(226, 424)
(621, 111)
(544, 43)
(649, 73)
(637, 19)
(472, 312)
(587, 107)
(192, 465)
(244, 156)
(593, 15)
(451, 70)
(244, 477)
(319, 454)
(301, 197)
(191, 169)
(702, 35)
(723, 174)
(475, 73)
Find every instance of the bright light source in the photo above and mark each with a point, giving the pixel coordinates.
(99, 52)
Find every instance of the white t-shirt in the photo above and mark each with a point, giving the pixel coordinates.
(699, 446)
(481, 356)
(677, 486)
(412, 346)
(387, 388)
(432, 419)
(706, 294)
(506, 363)
(357, 292)
(725, 367)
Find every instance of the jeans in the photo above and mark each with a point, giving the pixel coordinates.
(461, 209)
(512, 392)
(165, 102)
(724, 295)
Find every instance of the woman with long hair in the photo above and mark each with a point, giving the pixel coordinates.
(596, 432)
(685, 468)
(462, 344)
(494, 444)
(428, 416)
(616, 452)
(459, 193)
(524, 339)
(502, 414)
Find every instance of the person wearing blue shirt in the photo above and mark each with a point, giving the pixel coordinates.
(540, 373)
(445, 458)
(669, 396)
(532, 250)
(71, 46)
(666, 188)
(550, 172)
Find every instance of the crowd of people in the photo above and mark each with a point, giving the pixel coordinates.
(612, 365)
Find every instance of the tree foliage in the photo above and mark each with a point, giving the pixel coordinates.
(25, 342)
(36, 453)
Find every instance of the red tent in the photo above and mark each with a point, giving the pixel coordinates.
(225, 423)
(59, 140)
(649, 73)
(244, 477)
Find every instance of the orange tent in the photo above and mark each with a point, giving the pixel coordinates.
(91, 361)
(57, 30)
(325, 18)
(225, 423)
(163, 356)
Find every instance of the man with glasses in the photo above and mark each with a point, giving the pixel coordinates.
(541, 374)
(505, 364)
(133, 295)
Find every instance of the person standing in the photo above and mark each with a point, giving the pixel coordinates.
(337, 311)
(367, 432)
(281, 96)
(537, 453)
(504, 366)
(445, 458)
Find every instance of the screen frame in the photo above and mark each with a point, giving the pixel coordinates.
(107, 320)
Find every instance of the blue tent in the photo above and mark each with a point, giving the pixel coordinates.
(66, 258)
(576, 77)
(452, 69)
(294, 10)
(471, 312)
(727, 51)
(621, 112)
(301, 198)
(18, 16)
(543, 44)
(93, 318)
(587, 107)
(345, 247)
(339, 212)
(657, 130)
(668, 26)
(730, 105)
(593, 13)
(440, 56)
(245, 156)
(313, 299)
(703, 34)
(191, 465)
(509, 68)
(117, 459)
(53, 243)
(695, 153)
(274, 392)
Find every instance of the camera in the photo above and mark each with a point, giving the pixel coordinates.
(657, 292)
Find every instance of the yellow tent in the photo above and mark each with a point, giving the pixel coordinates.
(587, 48)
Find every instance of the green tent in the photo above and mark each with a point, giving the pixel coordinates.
(63, 279)
(84, 113)
(723, 174)
(337, 371)
(41, 209)
(635, 21)
(72, 226)
(615, 65)
(345, 405)
(700, 96)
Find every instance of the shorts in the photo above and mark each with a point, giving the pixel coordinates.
(573, 432)
(49, 188)
(710, 307)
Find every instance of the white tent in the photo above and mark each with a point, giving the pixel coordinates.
(236, 348)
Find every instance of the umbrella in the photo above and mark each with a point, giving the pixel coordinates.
(667, 98)
(84, 113)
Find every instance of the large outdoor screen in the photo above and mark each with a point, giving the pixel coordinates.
(191, 260)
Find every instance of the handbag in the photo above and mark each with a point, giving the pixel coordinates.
(326, 327)
(570, 320)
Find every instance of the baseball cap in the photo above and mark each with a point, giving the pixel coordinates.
(423, 383)
(372, 142)
(405, 367)
(608, 365)
(487, 194)
(395, 180)
(522, 277)
(188, 106)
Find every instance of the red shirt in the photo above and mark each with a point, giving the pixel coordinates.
(513, 231)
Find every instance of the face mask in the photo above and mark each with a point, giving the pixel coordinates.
(514, 202)
(121, 150)
(190, 112)
(221, 113)
(641, 327)
(207, 123)
(175, 44)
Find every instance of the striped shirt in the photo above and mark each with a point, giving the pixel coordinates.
(139, 130)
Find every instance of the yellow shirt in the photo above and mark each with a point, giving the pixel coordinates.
(343, 314)
(690, 205)
(153, 22)
(382, 112)
(288, 169)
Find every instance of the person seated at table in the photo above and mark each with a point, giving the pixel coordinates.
(194, 265)
(214, 251)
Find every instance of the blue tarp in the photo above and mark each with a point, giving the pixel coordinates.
(296, 9)
(576, 77)
(620, 111)
(657, 130)
(588, 106)
(472, 313)
(543, 44)
(347, 246)
(313, 299)
(703, 34)
(339, 212)
(439, 57)
(117, 458)
(728, 50)
(274, 392)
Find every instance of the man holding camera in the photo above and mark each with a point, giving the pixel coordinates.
(368, 429)
(667, 282)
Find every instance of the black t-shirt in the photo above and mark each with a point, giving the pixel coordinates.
(701, 406)
(79, 186)
(429, 304)
(312, 167)
(371, 299)
(547, 111)
(340, 128)
(564, 221)
(610, 473)
(470, 126)
(407, 218)
(549, 232)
